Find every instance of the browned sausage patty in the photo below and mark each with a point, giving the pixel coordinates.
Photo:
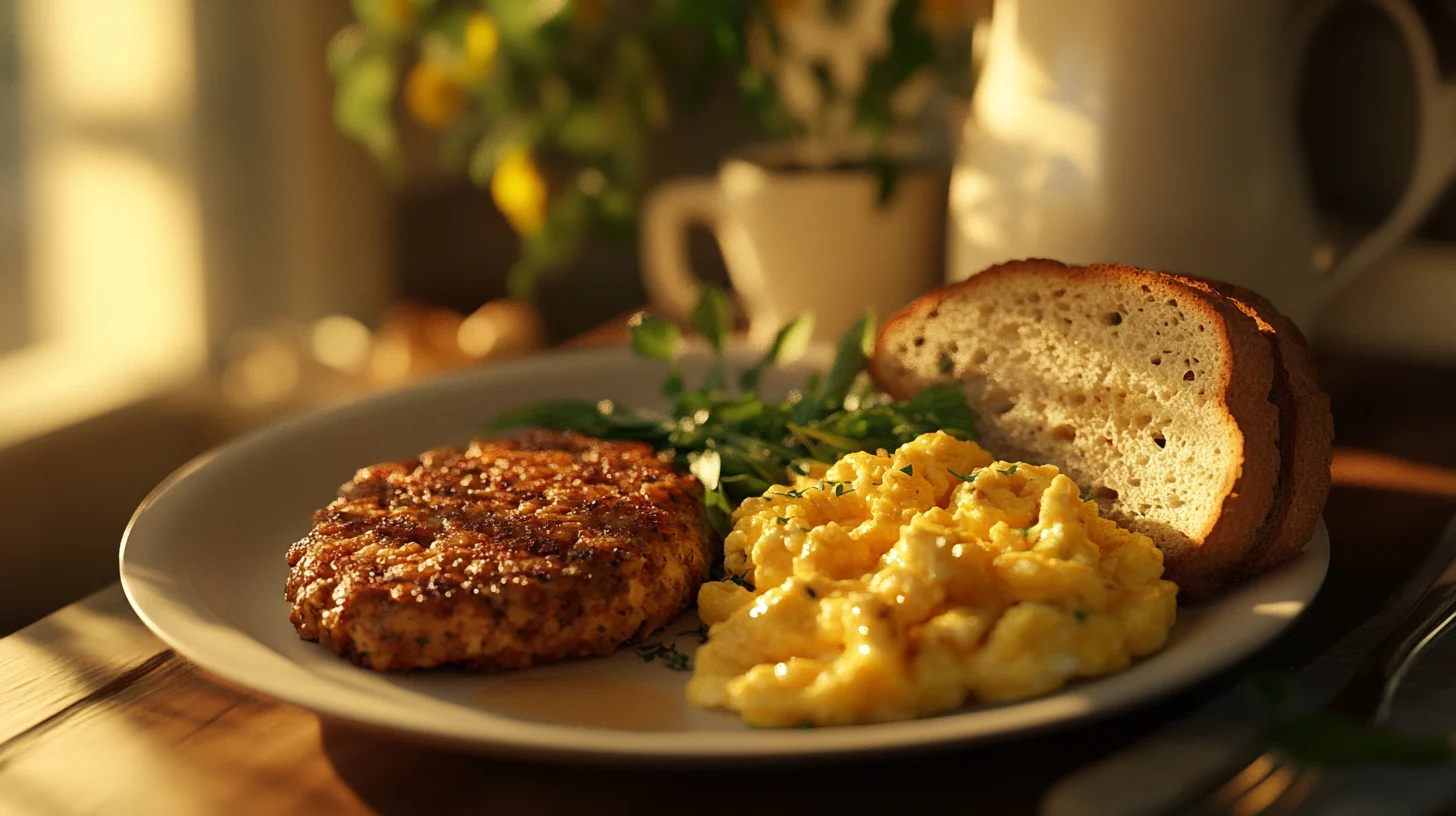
(507, 554)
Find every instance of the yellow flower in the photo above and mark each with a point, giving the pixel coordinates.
(482, 40)
(432, 95)
(519, 191)
(946, 15)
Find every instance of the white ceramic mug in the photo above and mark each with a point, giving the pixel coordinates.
(1162, 134)
(799, 239)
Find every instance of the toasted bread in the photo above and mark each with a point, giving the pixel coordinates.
(1306, 436)
(1149, 391)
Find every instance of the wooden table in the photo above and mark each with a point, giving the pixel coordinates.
(97, 716)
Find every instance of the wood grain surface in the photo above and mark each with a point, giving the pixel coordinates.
(98, 716)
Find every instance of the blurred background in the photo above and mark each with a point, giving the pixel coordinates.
(215, 213)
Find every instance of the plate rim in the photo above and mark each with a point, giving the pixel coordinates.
(1077, 703)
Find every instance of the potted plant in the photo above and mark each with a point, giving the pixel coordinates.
(548, 103)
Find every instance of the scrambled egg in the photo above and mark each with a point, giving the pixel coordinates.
(891, 586)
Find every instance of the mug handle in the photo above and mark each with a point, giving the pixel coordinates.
(672, 286)
(1435, 154)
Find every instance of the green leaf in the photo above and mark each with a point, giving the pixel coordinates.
(1328, 740)
(362, 105)
(585, 132)
(813, 435)
(713, 318)
(908, 470)
(719, 510)
(850, 355)
(792, 340)
(806, 407)
(655, 338)
(385, 17)
(673, 385)
(943, 407)
(570, 415)
(344, 48)
(788, 345)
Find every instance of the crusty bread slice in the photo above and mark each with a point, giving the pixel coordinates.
(1306, 436)
(1142, 388)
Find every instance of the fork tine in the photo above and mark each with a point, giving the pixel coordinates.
(1285, 787)
(1259, 798)
(1244, 781)
(1296, 793)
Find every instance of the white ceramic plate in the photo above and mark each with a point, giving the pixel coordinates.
(203, 564)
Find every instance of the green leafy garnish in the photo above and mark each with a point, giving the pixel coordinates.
(712, 317)
(965, 477)
(1330, 740)
(789, 345)
(668, 654)
(1008, 471)
(740, 444)
(701, 633)
(654, 338)
(850, 357)
(908, 470)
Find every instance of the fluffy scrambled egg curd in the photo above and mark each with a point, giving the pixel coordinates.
(895, 585)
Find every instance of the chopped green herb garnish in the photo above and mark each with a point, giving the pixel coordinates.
(1079, 615)
(1008, 471)
(811, 592)
(840, 489)
(908, 470)
(966, 477)
(701, 633)
(739, 580)
(946, 363)
(669, 655)
(781, 520)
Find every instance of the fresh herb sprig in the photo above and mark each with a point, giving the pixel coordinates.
(735, 441)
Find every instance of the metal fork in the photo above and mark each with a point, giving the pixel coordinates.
(1276, 783)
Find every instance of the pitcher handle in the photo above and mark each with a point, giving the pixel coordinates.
(1435, 154)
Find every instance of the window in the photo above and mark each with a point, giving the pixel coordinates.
(14, 322)
(101, 190)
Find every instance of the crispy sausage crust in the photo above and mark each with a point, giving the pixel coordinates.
(508, 554)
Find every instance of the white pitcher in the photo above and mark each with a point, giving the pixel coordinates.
(1161, 134)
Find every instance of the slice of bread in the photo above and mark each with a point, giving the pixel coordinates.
(1149, 391)
(1306, 435)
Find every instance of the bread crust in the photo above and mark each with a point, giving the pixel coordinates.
(1306, 437)
(1210, 555)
